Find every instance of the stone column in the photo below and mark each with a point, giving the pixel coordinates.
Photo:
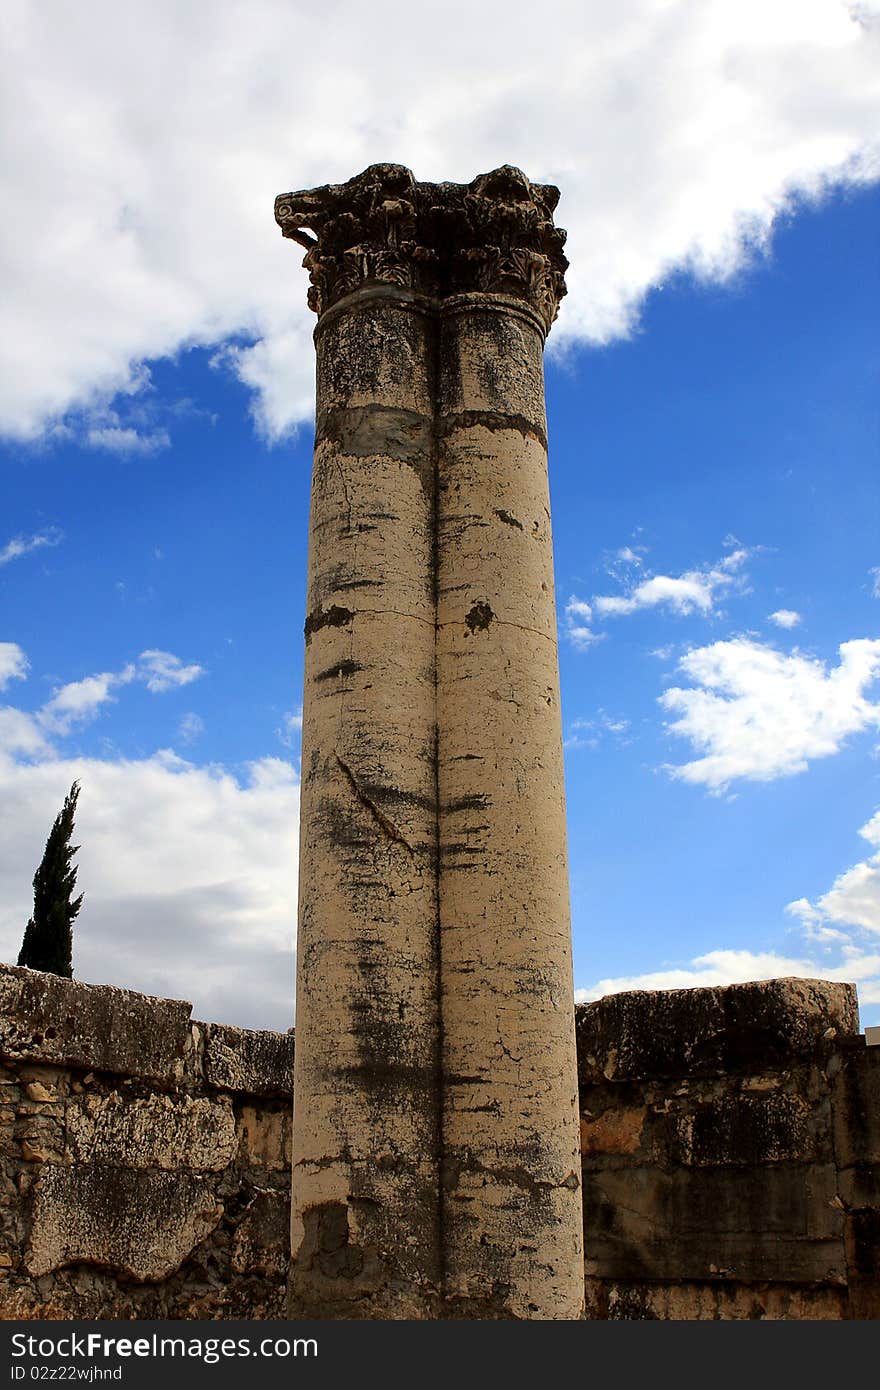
(511, 1216)
(435, 1117)
(366, 1114)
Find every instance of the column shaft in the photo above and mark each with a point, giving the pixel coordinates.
(510, 1186)
(365, 1174)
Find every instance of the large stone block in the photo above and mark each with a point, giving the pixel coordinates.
(152, 1132)
(859, 1186)
(856, 1106)
(782, 1222)
(743, 1130)
(97, 1027)
(246, 1061)
(704, 1124)
(136, 1222)
(646, 1034)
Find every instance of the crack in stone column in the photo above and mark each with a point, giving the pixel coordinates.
(378, 815)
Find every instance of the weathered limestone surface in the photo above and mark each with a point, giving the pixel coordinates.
(435, 1129)
(114, 1030)
(511, 1199)
(144, 1158)
(366, 1122)
(141, 1223)
(685, 1300)
(701, 1032)
(242, 1059)
(730, 1148)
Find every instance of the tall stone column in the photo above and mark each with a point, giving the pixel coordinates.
(511, 1155)
(435, 1117)
(366, 1115)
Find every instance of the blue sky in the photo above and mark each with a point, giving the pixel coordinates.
(738, 419)
(712, 397)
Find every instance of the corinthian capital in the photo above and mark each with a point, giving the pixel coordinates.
(494, 235)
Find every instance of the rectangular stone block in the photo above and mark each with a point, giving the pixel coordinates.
(153, 1132)
(96, 1027)
(782, 1223)
(856, 1106)
(243, 1060)
(859, 1186)
(646, 1034)
(138, 1223)
(742, 1130)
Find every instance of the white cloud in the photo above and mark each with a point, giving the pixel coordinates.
(853, 899)
(855, 896)
(13, 663)
(728, 967)
(678, 134)
(191, 727)
(693, 591)
(615, 726)
(628, 556)
(291, 726)
(24, 545)
(578, 616)
(21, 734)
(663, 653)
(118, 440)
(189, 872)
(755, 713)
(163, 670)
(189, 876)
(875, 581)
(811, 923)
(79, 701)
(583, 733)
(589, 733)
(785, 617)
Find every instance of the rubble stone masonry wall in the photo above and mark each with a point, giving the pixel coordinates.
(730, 1147)
(144, 1157)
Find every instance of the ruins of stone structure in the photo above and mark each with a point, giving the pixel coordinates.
(730, 1151)
(144, 1157)
(435, 1133)
(726, 1141)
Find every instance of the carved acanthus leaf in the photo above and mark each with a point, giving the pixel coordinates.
(495, 234)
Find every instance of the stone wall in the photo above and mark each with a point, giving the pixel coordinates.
(144, 1157)
(730, 1147)
(731, 1143)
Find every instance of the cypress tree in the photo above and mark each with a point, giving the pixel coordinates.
(48, 937)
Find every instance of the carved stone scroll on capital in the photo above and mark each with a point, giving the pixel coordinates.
(495, 235)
